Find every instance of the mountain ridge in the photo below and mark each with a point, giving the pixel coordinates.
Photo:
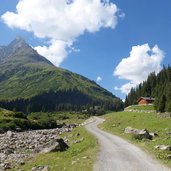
(19, 46)
(26, 77)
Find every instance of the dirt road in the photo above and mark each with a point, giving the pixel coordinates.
(117, 154)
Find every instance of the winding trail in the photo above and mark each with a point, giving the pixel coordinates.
(117, 154)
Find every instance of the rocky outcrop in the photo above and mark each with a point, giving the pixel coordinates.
(153, 134)
(16, 147)
(141, 134)
(169, 156)
(58, 145)
(163, 147)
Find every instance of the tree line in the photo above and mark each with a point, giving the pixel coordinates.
(70, 100)
(157, 86)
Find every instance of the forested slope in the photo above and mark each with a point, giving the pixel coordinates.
(157, 86)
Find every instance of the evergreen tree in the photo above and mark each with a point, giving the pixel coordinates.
(157, 86)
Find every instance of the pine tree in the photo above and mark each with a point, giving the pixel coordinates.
(157, 86)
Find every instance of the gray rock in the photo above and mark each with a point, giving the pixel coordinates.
(168, 133)
(6, 166)
(59, 145)
(163, 147)
(40, 168)
(130, 130)
(17, 147)
(46, 168)
(153, 134)
(141, 134)
(10, 134)
(169, 156)
(144, 134)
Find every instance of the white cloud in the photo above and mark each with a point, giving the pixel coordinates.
(141, 62)
(125, 88)
(55, 53)
(62, 21)
(98, 79)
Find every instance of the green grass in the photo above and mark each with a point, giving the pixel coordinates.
(78, 157)
(10, 120)
(116, 123)
(141, 107)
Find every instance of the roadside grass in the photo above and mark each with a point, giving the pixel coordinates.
(116, 123)
(141, 107)
(78, 157)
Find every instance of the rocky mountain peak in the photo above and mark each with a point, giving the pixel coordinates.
(19, 39)
(20, 50)
(18, 42)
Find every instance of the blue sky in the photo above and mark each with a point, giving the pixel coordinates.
(144, 25)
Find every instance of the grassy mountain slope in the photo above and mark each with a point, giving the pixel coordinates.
(29, 82)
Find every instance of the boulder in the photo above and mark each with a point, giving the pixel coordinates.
(59, 145)
(163, 147)
(169, 156)
(130, 130)
(140, 134)
(40, 168)
(10, 134)
(168, 133)
(153, 134)
(144, 134)
(72, 125)
(5, 166)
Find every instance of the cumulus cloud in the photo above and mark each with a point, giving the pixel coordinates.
(55, 53)
(62, 21)
(98, 79)
(141, 62)
(125, 88)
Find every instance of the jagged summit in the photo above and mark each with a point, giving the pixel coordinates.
(18, 49)
(11, 48)
(18, 42)
(19, 39)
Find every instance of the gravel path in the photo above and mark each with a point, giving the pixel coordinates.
(117, 154)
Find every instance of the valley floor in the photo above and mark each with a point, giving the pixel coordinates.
(115, 153)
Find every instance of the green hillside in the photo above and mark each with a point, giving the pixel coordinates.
(29, 82)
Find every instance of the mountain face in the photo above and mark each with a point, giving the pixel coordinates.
(30, 83)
